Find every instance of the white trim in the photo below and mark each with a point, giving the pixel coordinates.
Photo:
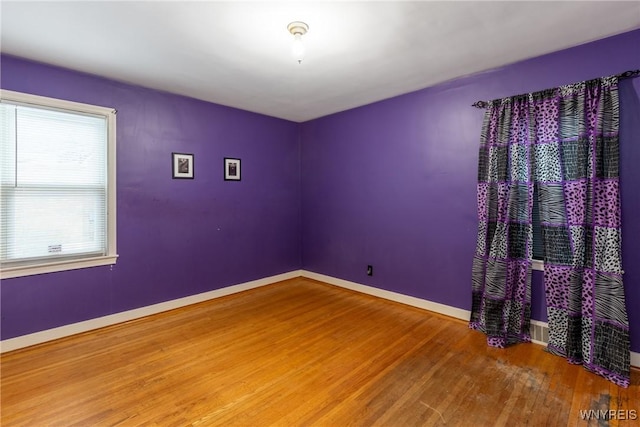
(436, 307)
(110, 258)
(125, 316)
(52, 267)
(100, 322)
(635, 359)
(112, 171)
(28, 99)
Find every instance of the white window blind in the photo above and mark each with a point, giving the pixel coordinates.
(55, 195)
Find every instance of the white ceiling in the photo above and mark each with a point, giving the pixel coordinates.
(238, 53)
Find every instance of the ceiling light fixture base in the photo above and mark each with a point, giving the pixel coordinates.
(298, 27)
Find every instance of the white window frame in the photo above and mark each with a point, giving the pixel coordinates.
(44, 266)
(537, 263)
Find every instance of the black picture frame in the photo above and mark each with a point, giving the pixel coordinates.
(182, 166)
(232, 169)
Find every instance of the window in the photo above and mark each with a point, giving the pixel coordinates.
(57, 176)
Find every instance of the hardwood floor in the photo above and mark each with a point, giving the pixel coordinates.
(295, 353)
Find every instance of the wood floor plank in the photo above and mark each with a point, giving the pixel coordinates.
(298, 353)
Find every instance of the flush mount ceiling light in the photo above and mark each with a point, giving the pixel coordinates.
(298, 29)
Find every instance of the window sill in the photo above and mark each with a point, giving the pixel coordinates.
(537, 264)
(30, 270)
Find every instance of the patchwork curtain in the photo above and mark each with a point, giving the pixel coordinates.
(564, 143)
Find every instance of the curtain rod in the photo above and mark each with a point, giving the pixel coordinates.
(625, 75)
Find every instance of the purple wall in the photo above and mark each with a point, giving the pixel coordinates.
(393, 184)
(175, 237)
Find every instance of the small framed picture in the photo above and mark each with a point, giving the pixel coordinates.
(182, 166)
(231, 169)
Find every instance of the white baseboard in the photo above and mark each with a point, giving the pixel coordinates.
(635, 359)
(436, 307)
(125, 316)
(447, 310)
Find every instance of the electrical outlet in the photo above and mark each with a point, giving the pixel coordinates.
(369, 270)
